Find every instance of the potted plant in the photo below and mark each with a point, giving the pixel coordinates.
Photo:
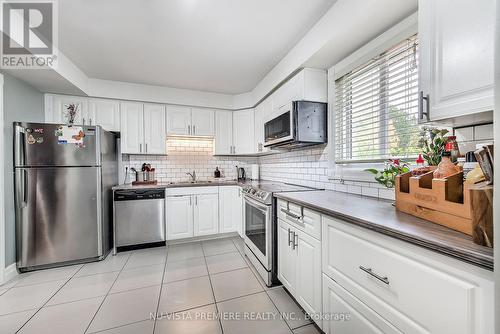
(387, 176)
(432, 142)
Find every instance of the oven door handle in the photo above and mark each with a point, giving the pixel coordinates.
(260, 206)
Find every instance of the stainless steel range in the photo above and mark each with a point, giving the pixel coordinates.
(261, 227)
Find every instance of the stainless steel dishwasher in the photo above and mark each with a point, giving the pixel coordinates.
(139, 217)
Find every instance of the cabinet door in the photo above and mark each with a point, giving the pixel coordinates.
(105, 113)
(178, 120)
(456, 56)
(132, 127)
(57, 112)
(287, 264)
(243, 131)
(206, 214)
(203, 122)
(263, 110)
(345, 314)
(223, 132)
(154, 129)
(179, 217)
(230, 209)
(308, 290)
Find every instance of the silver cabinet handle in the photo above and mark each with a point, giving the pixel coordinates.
(196, 200)
(421, 113)
(146, 147)
(291, 214)
(295, 241)
(190, 200)
(289, 239)
(194, 129)
(90, 122)
(370, 272)
(189, 129)
(140, 148)
(83, 121)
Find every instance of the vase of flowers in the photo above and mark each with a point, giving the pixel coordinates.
(387, 176)
(71, 113)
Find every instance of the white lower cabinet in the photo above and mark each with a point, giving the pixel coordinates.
(299, 267)
(206, 214)
(230, 210)
(414, 289)
(345, 314)
(192, 212)
(179, 217)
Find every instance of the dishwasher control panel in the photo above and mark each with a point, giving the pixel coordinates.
(138, 194)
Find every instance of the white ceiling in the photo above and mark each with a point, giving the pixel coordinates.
(224, 46)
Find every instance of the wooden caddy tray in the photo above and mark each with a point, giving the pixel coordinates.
(145, 183)
(442, 201)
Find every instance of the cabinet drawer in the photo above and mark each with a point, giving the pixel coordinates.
(345, 314)
(306, 220)
(401, 286)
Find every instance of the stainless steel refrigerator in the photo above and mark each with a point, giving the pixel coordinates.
(62, 187)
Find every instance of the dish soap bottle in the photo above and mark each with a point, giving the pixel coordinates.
(217, 173)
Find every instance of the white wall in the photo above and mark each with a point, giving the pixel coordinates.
(21, 103)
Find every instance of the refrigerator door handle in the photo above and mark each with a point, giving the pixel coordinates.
(25, 188)
(19, 146)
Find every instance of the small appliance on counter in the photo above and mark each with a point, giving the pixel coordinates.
(242, 176)
(255, 173)
(217, 173)
(147, 175)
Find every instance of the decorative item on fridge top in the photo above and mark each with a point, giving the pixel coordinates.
(432, 142)
(387, 176)
(71, 113)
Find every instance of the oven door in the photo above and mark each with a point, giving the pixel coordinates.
(280, 129)
(258, 233)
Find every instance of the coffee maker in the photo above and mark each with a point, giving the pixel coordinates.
(242, 176)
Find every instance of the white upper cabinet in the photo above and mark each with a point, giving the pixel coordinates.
(56, 108)
(243, 132)
(203, 122)
(142, 128)
(178, 120)
(105, 113)
(190, 121)
(223, 132)
(154, 129)
(456, 57)
(262, 112)
(309, 84)
(132, 128)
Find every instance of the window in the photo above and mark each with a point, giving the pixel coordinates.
(376, 107)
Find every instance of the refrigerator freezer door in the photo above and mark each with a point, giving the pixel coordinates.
(58, 215)
(40, 144)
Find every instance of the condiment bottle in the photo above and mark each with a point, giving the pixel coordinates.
(420, 161)
(445, 167)
(452, 147)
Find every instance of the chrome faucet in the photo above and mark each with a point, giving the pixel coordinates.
(193, 176)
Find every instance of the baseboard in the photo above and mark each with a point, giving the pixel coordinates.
(10, 273)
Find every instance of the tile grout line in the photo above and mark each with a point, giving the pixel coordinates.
(267, 294)
(38, 310)
(107, 294)
(167, 249)
(213, 292)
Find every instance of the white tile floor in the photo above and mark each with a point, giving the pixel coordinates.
(187, 285)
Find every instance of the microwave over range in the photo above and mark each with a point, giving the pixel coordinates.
(301, 123)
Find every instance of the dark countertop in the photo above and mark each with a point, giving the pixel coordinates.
(381, 216)
(160, 185)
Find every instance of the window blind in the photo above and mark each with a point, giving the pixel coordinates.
(376, 107)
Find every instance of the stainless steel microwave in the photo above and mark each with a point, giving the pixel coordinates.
(301, 123)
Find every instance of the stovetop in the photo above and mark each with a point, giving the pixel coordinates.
(262, 191)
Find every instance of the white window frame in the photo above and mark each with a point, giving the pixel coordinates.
(401, 31)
